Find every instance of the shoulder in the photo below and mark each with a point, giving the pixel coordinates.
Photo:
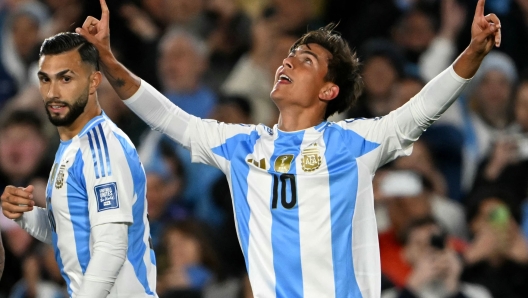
(104, 141)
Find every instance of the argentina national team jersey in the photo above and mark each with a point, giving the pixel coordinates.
(97, 178)
(303, 201)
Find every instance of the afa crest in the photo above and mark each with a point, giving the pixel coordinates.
(60, 177)
(311, 160)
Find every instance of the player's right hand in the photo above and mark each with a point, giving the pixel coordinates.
(17, 200)
(97, 32)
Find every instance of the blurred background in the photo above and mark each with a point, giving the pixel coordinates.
(458, 225)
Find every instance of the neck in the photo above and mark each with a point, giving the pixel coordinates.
(299, 119)
(91, 111)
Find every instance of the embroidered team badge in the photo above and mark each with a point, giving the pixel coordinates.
(59, 182)
(106, 195)
(53, 173)
(283, 163)
(311, 160)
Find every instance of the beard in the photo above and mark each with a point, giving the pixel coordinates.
(75, 110)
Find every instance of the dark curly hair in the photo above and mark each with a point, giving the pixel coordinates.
(343, 67)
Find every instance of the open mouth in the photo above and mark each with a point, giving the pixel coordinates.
(56, 107)
(285, 78)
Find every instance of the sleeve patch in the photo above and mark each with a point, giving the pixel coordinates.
(106, 195)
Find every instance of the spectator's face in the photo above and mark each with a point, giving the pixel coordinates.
(21, 151)
(493, 94)
(159, 193)
(291, 15)
(65, 86)
(183, 249)
(182, 11)
(416, 32)
(405, 90)
(180, 65)
(402, 210)
(521, 107)
(379, 76)
(419, 243)
(229, 113)
(25, 35)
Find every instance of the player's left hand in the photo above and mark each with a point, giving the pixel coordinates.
(485, 30)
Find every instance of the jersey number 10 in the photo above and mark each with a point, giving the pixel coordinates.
(285, 180)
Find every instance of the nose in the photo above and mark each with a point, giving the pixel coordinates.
(53, 91)
(287, 62)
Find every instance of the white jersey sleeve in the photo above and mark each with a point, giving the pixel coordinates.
(205, 138)
(396, 132)
(214, 143)
(160, 113)
(109, 182)
(36, 223)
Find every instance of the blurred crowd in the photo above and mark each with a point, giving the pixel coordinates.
(452, 217)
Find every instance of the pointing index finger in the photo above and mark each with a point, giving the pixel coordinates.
(104, 10)
(479, 11)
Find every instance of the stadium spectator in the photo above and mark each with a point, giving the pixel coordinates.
(41, 275)
(383, 66)
(253, 73)
(407, 198)
(228, 39)
(165, 181)
(436, 267)
(497, 257)
(23, 160)
(506, 164)
(188, 263)
(484, 112)
(448, 212)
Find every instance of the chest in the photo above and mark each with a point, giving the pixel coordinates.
(64, 186)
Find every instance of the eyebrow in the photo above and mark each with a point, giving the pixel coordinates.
(59, 74)
(307, 52)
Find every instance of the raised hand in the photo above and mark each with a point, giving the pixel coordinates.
(97, 31)
(16, 201)
(485, 30)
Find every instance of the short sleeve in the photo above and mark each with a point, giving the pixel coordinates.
(110, 184)
(214, 143)
(385, 132)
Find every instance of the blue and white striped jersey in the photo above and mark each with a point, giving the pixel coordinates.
(303, 201)
(97, 178)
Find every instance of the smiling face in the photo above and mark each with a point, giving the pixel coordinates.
(300, 80)
(64, 86)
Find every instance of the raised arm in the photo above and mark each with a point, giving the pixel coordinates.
(97, 32)
(485, 33)
(145, 101)
(402, 127)
(432, 101)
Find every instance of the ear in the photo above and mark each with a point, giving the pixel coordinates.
(95, 79)
(329, 92)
